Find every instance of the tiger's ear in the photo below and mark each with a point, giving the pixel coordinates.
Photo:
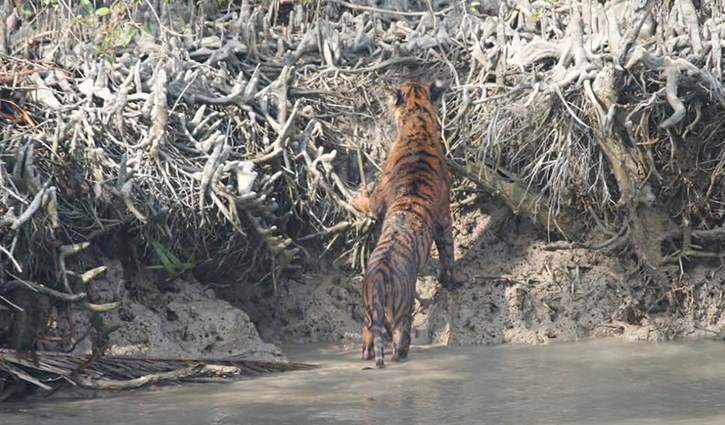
(437, 88)
(395, 96)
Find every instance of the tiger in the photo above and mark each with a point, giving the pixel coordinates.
(412, 198)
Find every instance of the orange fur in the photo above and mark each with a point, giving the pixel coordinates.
(412, 198)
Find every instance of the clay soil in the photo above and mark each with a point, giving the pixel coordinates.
(516, 291)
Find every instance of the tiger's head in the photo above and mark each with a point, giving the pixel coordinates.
(415, 97)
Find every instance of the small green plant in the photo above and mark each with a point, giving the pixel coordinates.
(115, 34)
(103, 11)
(118, 37)
(171, 263)
(87, 6)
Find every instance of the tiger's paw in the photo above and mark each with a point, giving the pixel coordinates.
(399, 356)
(450, 282)
(361, 201)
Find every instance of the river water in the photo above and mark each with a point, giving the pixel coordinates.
(594, 382)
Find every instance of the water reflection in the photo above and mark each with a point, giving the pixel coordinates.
(598, 382)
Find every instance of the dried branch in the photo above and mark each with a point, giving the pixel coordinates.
(15, 285)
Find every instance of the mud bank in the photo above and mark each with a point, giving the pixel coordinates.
(182, 320)
(516, 291)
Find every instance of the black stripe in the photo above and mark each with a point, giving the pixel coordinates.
(419, 152)
(417, 107)
(416, 213)
(400, 321)
(420, 166)
(404, 255)
(421, 205)
(411, 240)
(413, 189)
(383, 274)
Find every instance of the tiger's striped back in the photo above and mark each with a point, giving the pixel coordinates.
(413, 199)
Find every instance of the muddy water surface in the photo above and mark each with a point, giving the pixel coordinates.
(598, 382)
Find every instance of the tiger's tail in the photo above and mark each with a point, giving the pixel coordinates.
(378, 318)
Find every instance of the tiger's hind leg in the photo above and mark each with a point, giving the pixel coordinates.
(401, 339)
(367, 349)
(367, 333)
(443, 237)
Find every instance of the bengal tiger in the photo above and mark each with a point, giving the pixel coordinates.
(412, 197)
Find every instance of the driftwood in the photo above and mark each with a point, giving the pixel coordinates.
(49, 370)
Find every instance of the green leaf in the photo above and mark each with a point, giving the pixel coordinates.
(169, 262)
(188, 265)
(103, 11)
(163, 255)
(87, 6)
